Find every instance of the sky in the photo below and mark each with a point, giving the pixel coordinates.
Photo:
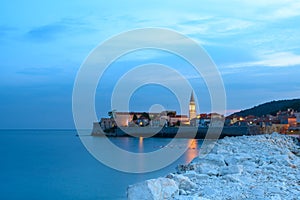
(255, 46)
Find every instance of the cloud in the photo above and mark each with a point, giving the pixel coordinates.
(264, 10)
(279, 59)
(214, 27)
(290, 9)
(5, 30)
(46, 32)
(6, 34)
(40, 71)
(54, 30)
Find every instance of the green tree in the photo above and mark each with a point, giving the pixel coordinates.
(171, 113)
(111, 114)
(134, 118)
(145, 116)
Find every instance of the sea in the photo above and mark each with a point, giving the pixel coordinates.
(54, 164)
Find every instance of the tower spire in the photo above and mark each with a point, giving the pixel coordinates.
(192, 107)
(192, 99)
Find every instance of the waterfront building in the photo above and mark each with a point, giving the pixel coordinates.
(107, 123)
(297, 115)
(136, 118)
(164, 118)
(195, 121)
(179, 120)
(292, 121)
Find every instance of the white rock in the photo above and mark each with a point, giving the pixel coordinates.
(209, 164)
(191, 198)
(232, 178)
(247, 167)
(196, 177)
(208, 170)
(259, 192)
(184, 182)
(232, 169)
(274, 190)
(209, 191)
(276, 197)
(182, 192)
(154, 189)
(238, 159)
(213, 159)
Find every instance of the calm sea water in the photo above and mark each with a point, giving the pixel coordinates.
(53, 164)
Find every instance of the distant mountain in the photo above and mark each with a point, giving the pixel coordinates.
(270, 108)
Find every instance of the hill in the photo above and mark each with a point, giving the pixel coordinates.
(270, 108)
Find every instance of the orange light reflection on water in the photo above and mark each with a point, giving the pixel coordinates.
(141, 144)
(192, 150)
(191, 146)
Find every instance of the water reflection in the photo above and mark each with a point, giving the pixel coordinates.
(192, 152)
(141, 144)
(141, 157)
(191, 146)
(146, 145)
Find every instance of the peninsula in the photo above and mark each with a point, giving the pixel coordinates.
(276, 116)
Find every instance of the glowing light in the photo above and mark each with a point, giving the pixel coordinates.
(141, 144)
(193, 150)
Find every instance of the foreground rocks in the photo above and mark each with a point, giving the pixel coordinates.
(246, 167)
(161, 188)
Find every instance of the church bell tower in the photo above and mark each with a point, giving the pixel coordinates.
(192, 107)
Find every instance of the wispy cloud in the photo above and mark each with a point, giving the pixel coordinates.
(64, 27)
(262, 10)
(214, 27)
(279, 59)
(288, 10)
(40, 71)
(46, 32)
(4, 30)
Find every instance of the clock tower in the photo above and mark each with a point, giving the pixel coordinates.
(192, 107)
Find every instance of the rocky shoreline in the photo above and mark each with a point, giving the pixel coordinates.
(244, 167)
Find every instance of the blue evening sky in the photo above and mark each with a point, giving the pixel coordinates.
(255, 45)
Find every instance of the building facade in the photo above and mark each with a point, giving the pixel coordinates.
(164, 118)
(297, 115)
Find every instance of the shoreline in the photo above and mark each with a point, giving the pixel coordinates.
(243, 167)
(188, 132)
